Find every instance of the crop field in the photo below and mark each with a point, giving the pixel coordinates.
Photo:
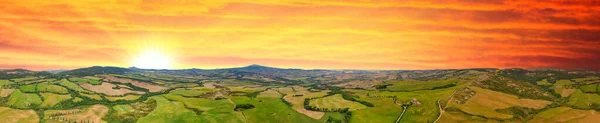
(247, 89)
(5, 82)
(25, 79)
(51, 99)
(386, 110)
(588, 80)
(360, 84)
(150, 87)
(221, 110)
(9, 115)
(6, 92)
(544, 82)
(295, 96)
(23, 100)
(53, 113)
(87, 79)
(190, 92)
(177, 111)
(126, 97)
(485, 102)
(270, 93)
(591, 88)
(562, 87)
(270, 110)
(93, 96)
(582, 100)
(335, 102)
(460, 117)
(92, 114)
(43, 87)
(73, 86)
(123, 109)
(420, 85)
(566, 115)
(107, 88)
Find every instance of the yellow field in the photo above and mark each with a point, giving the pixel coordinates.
(9, 115)
(51, 99)
(91, 114)
(485, 102)
(566, 114)
(295, 95)
(459, 117)
(270, 93)
(336, 102)
(6, 92)
(95, 97)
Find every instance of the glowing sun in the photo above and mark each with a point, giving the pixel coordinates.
(152, 59)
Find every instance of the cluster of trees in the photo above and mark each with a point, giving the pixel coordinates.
(241, 107)
(369, 95)
(70, 121)
(382, 86)
(63, 113)
(314, 108)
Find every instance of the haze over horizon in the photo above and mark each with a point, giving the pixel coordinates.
(386, 35)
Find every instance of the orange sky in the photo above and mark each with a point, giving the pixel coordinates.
(336, 34)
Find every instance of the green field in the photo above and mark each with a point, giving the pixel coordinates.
(176, 111)
(386, 110)
(413, 85)
(24, 100)
(212, 110)
(43, 87)
(73, 86)
(270, 110)
(335, 102)
(123, 109)
(51, 99)
(588, 80)
(582, 100)
(543, 82)
(563, 83)
(191, 92)
(86, 80)
(592, 88)
(5, 82)
(25, 79)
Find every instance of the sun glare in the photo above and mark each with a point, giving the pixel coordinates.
(153, 60)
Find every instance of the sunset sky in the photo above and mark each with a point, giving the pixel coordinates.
(338, 34)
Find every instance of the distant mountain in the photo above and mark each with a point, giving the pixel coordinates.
(96, 70)
(255, 67)
(17, 73)
(56, 71)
